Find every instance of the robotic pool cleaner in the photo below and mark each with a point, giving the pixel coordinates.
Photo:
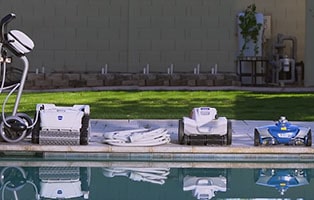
(283, 132)
(59, 125)
(206, 127)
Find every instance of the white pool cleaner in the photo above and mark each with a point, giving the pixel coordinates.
(58, 125)
(204, 126)
(137, 137)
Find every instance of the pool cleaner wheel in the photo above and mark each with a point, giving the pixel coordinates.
(15, 128)
(308, 141)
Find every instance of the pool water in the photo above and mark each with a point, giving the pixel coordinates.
(23, 179)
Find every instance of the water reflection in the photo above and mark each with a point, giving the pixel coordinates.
(204, 184)
(14, 180)
(151, 175)
(283, 179)
(45, 182)
(105, 180)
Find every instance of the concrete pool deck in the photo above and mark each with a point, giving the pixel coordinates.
(242, 147)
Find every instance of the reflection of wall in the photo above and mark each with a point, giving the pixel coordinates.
(127, 34)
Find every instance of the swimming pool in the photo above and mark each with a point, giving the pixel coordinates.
(45, 179)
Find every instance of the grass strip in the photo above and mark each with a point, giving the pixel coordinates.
(238, 105)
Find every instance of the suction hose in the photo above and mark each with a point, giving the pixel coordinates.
(137, 137)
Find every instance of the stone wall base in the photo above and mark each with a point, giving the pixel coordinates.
(76, 80)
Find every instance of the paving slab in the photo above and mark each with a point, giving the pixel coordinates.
(242, 147)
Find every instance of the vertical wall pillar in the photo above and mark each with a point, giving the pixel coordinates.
(309, 47)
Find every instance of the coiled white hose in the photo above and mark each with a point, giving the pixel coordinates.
(137, 137)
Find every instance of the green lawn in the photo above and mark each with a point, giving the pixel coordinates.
(175, 104)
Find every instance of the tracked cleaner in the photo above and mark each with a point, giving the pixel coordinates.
(204, 127)
(57, 125)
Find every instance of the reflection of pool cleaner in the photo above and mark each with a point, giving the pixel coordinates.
(16, 127)
(204, 187)
(151, 175)
(47, 182)
(137, 137)
(283, 132)
(282, 179)
(15, 180)
(61, 125)
(64, 182)
(205, 126)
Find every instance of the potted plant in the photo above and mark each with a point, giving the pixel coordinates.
(250, 28)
